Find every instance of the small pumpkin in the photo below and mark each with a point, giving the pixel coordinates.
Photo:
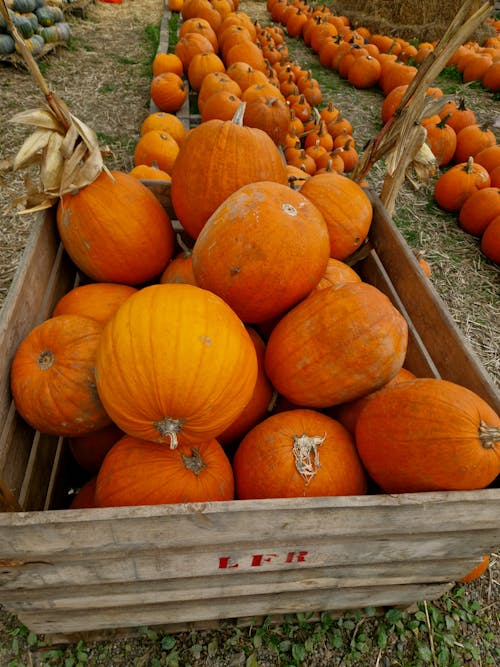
(180, 268)
(346, 209)
(479, 209)
(99, 301)
(84, 498)
(168, 91)
(490, 240)
(52, 377)
(471, 140)
(454, 186)
(337, 345)
(429, 435)
(168, 122)
(156, 147)
(298, 453)
(116, 230)
(262, 250)
(137, 472)
(89, 450)
(195, 365)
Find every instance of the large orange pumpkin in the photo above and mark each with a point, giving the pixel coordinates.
(100, 301)
(429, 435)
(215, 159)
(52, 377)
(346, 208)
(137, 472)
(337, 345)
(298, 453)
(116, 230)
(265, 248)
(175, 362)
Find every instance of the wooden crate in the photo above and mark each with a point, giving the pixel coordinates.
(81, 573)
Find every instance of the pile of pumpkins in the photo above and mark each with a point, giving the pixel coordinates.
(38, 22)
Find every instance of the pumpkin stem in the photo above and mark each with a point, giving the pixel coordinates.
(194, 463)
(488, 435)
(305, 452)
(168, 428)
(187, 251)
(237, 119)
(45, 360)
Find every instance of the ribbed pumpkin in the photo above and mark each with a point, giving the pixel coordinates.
(89, 450)
(180, 268)
(337, 273)
(337, 345)
(265, 248)
(345, 207)
(115, 230)
(298, 453)
(257, 407)
(100, 301)
(137, 472)
(215, 159)
(52, 377)
(175, 362)
(479, 210)
(454, 186)
(429, 435)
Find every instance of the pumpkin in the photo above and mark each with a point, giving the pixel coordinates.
(270, 114)
(337, 273)
(471, 140)
(201, 26)
(168, 91)
(144, 172)
(180, 268)
(460, 115)
(216, 82)
(265, 248)
(346, 209)
(221, 105)
(364, 72)
(168, 122)
(489, 157)
(195, 365)
(137, 472)
(298, 453)
(337, 345)
(84, 498)
(244, 75)
(52, 377)
(454, 186)
(98, 301)
(89, 450)
(156, 147)
(347, 413)
(429, 435)
(167, 62)
(490, 241)
(197, 189)
(202, 64)
(479, 209)
(477, 571)
(115, 230)
(442, 140)
(191, 44)
(258, 405)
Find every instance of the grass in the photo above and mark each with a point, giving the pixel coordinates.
(452, 632)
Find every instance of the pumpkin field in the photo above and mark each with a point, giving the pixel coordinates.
(249, 345)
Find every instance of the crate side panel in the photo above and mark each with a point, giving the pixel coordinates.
(454, 358)
(81, 620)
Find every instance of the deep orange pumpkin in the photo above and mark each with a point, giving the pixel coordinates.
(346, 208)
(89, 450)
(240, 154)
(265, 248)
(137, 472)
(479, 210)
(429, 435)
(454, 186)
(337, 345)
(175, 362)
(116, 230)
(490, 241)
(100, 301)
(298, 453)
(85, 496)
(52, 377)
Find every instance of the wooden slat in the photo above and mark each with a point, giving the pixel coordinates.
(454, 358)
(347, 598)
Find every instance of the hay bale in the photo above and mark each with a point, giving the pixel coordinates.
(409, 19)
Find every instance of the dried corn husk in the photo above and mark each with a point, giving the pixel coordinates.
(66, 151)
(401, 139)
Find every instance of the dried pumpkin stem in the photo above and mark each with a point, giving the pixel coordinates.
(194, 463)
(306, 454)
(488, 435)
(169, 428)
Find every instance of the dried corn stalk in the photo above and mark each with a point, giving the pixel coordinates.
(66, 150)
(401, 139)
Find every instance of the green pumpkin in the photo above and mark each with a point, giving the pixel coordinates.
(63, 30)
(24, 6)
(57, 13)
(23, 25)
(45, 16)
(32, 18)
(7, 45)
(34, 43)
